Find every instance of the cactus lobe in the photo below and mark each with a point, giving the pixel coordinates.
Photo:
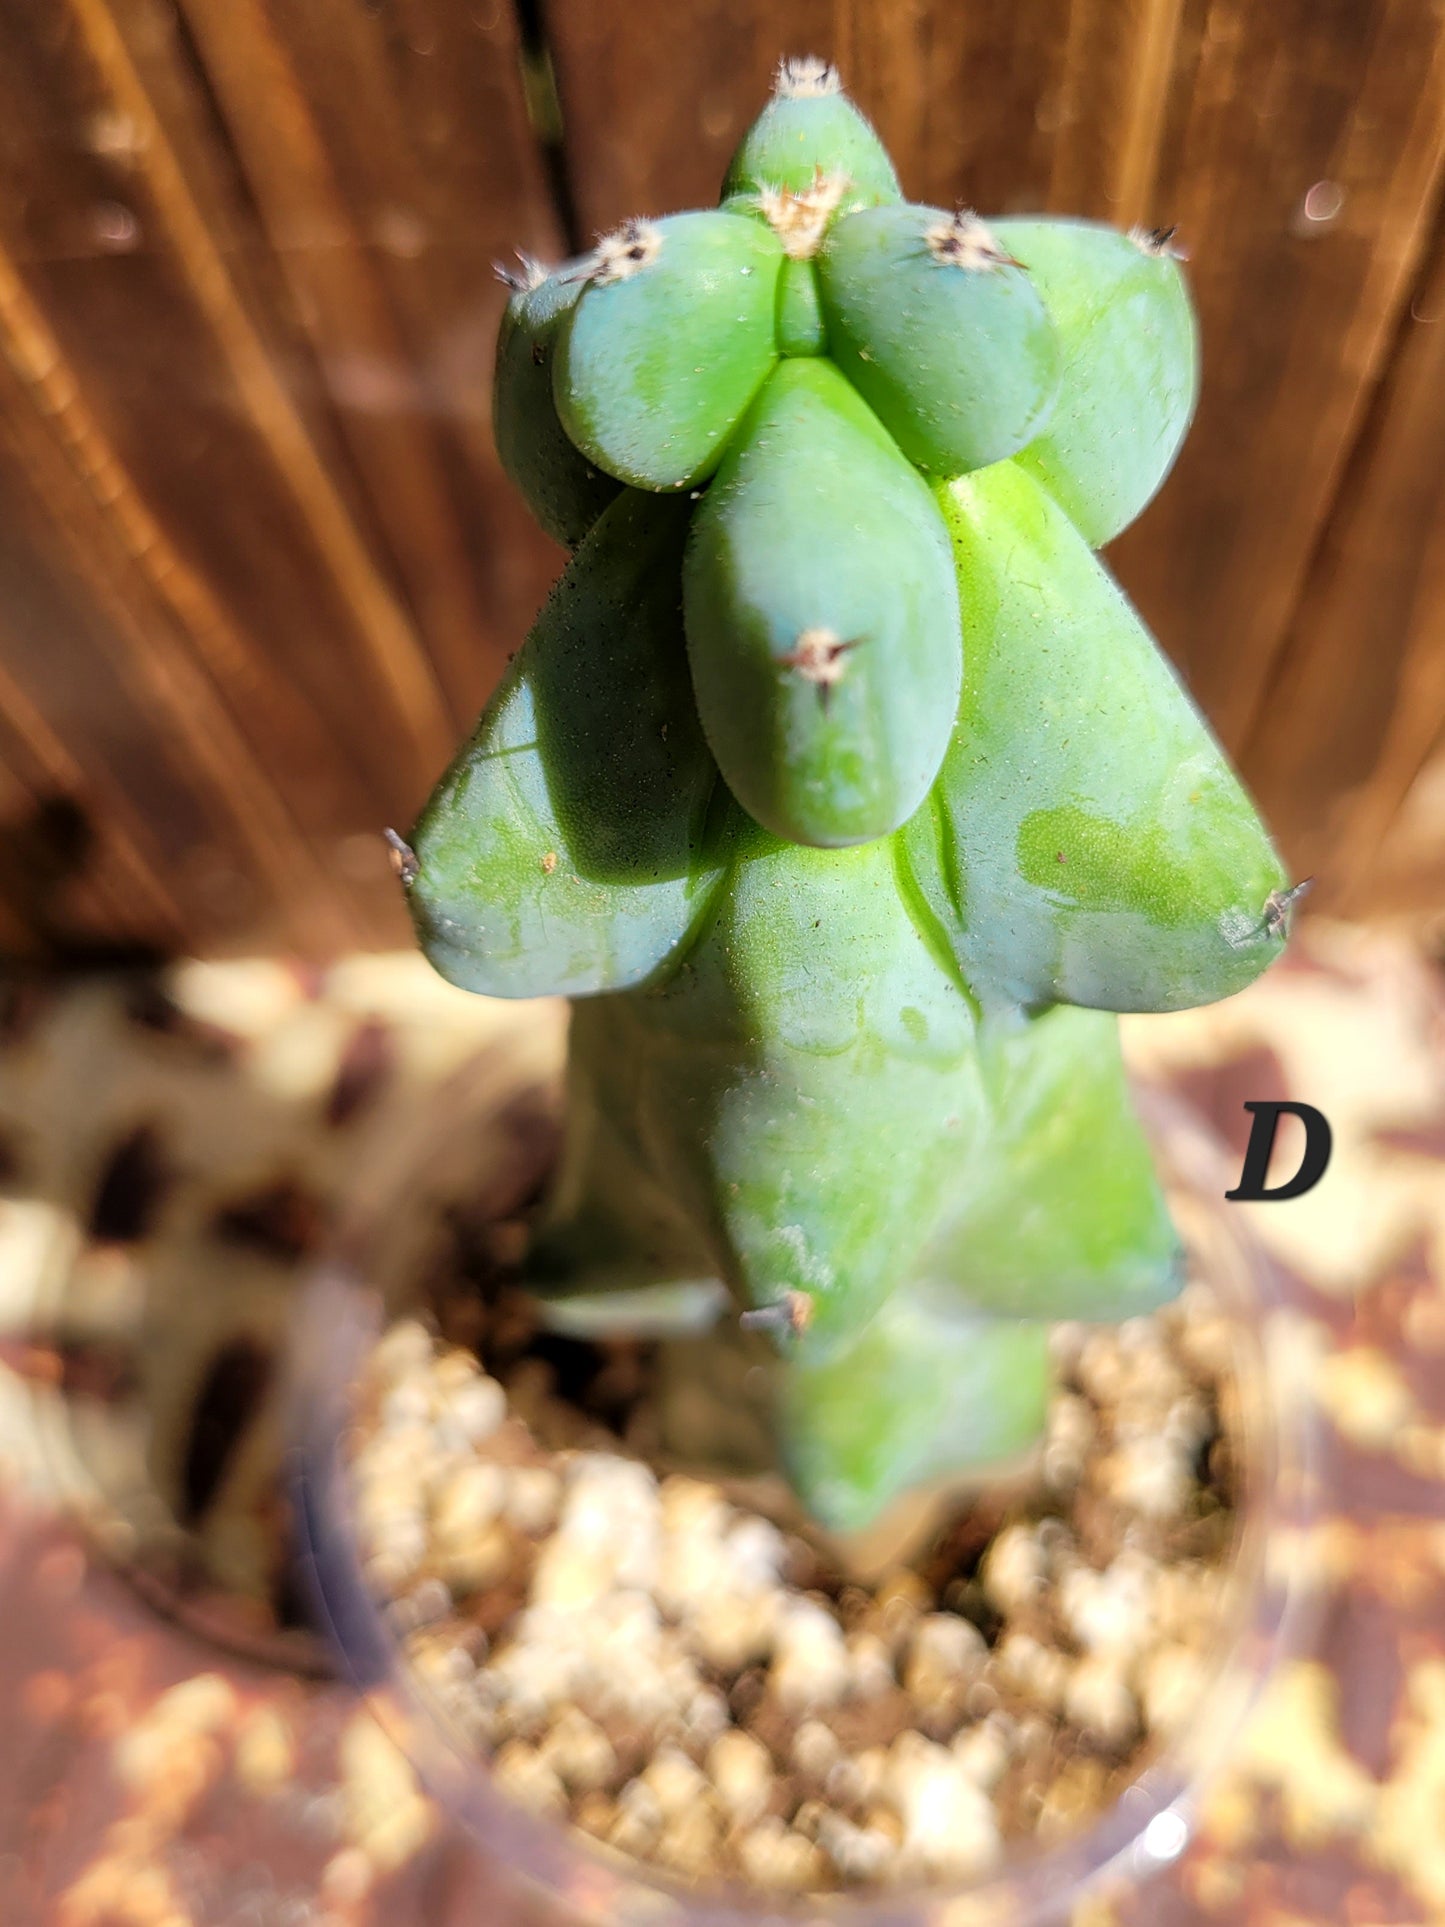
(941, 332)
(810, 126)
(565, 851)
(667, 345)
(1100, 849)
(822, 616)
(1130, 367)
(564, 490)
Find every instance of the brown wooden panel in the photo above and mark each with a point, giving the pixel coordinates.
(104, 700)
(1403, 872)
(1303, 106)
(130, 269)
(1351, 717)
(1006, 104)
(69, 875)
(255, 499)
(391, 164)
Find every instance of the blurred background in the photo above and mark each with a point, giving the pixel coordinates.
(259, 568)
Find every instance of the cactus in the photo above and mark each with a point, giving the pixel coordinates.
(845, 791)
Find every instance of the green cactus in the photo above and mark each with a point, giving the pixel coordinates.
(902, 287)
(563, 489)
(669, 342)
(809, 129)
(843, 787)
(822, 616)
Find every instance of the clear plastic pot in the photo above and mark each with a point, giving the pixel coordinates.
(384, 1244)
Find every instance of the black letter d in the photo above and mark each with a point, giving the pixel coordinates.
(1318, 1143)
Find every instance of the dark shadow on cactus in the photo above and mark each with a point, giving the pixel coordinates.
(627, 769)
(567, 851)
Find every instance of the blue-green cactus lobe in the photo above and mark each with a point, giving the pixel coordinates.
(1101, 850)
(667, 345)
(808, 128)
(822, 616)
(943, 336)
(564, 490)
(1130, 367)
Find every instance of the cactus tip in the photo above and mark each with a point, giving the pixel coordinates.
(1279, 903)
(529, 273)
(788, 1316)
(817, 656)
(625, 252)
(962, 241)
(1159, 242)
(805, 77)
(404, 861)
(800, 219)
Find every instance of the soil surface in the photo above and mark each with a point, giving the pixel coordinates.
(690, 1674)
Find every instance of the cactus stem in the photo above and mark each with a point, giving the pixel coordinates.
(962, 241)
(529, 273)
(1279, 903)
(404, 863)
(1158, 241)
(805, 77)
(800, 220)
(625, 252)
(817, 656)
(789, 1315)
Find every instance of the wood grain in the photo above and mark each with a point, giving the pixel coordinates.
(95, 608)
(391, 164)
(1402, 873)
(1296, 108)
(301, 601)
(1357, 705)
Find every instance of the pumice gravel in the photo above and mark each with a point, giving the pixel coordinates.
(652, 1658)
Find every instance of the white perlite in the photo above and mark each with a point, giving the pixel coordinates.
(810, 1658)
(950, 1826)
(660, 1676)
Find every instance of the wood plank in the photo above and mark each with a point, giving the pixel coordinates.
(1288, 110)
(289, 620)
(391, 164)
(157, 329)
(1354, 711)
(1403, 873)
(107, 699)
(98, 601)
(101, 892)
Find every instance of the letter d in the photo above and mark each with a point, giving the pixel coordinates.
(1319, 1141)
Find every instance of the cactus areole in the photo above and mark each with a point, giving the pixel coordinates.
(844, 790)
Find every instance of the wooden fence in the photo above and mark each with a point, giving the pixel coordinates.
(258, 566)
